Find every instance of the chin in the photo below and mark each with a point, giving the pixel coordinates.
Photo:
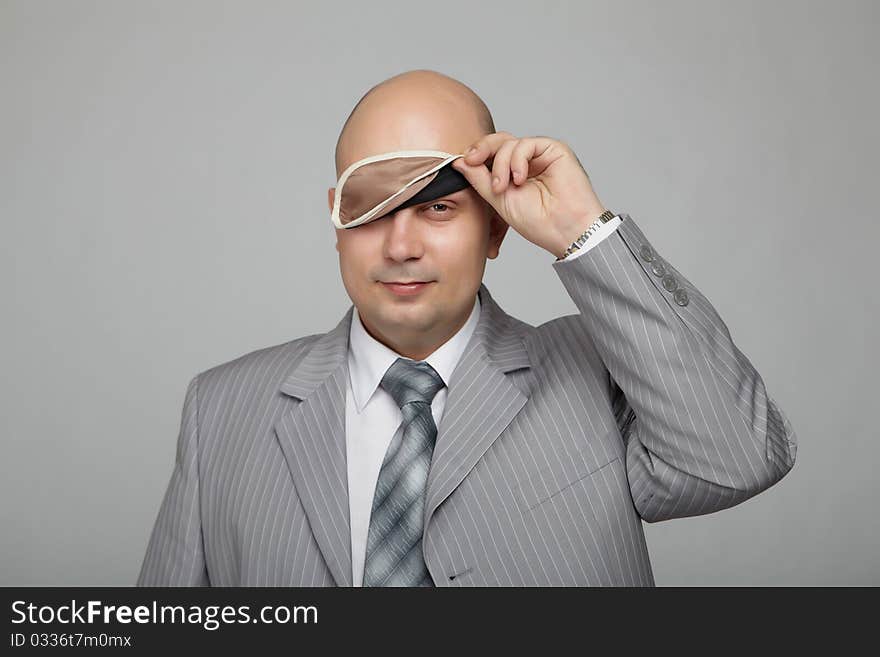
(409, 315)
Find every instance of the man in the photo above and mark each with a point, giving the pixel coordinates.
(431, 439)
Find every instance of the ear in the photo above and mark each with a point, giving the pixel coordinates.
(497, 230)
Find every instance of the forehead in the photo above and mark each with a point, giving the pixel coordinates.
(422, 121)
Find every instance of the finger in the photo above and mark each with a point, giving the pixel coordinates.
(545, 152)
(519, 160)
(479, 177)
(501, 166)
(486, 146)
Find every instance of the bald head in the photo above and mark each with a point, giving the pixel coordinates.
(418, 109)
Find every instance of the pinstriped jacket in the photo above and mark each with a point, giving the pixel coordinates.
(556, 442)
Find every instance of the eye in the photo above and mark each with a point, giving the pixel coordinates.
(433, 207)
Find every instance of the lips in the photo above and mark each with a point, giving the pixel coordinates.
(406, 289)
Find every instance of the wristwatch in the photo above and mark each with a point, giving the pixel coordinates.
(604, 218)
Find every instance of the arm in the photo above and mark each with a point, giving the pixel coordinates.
(602, 233)
(175, 553)
(701, 432)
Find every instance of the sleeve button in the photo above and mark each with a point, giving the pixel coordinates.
(681, 297)
(647, 253)
(658, 268)
(669, 282)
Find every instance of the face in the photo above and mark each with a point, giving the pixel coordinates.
(444, 243)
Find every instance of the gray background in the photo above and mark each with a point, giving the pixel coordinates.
(163, 200)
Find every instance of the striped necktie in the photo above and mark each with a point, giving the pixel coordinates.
(394, 539)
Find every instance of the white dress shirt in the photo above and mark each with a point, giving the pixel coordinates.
(372, 416)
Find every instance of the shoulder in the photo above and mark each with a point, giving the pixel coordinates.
(264, 368)
(554, 333)
(566, 338)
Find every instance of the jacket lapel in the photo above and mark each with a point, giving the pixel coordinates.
(481, 401)
(312, 437)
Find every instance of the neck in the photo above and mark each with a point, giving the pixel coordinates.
(417, 345)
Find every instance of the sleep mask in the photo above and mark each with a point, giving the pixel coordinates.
(381, 184)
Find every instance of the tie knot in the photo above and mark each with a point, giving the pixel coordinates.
(411, 380)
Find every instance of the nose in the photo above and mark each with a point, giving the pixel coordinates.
(403, 235)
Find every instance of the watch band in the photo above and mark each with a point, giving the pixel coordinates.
(604, 218)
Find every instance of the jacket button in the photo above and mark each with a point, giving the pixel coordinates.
(681, 297)
(658, 268)
(647, 253)
(669, 282)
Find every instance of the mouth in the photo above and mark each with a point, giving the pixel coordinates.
(406, 288)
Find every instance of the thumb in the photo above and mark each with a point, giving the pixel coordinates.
(479, 177)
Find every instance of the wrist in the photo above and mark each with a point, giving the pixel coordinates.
(576, 230)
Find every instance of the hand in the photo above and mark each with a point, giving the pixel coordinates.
(551, 201)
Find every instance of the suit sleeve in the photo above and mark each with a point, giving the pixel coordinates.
(701, 432)
(175, 552)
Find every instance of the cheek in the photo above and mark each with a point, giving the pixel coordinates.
(356, 250)
(353, 268)
(465, 243)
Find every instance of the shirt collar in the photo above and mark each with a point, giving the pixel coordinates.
(369, 359)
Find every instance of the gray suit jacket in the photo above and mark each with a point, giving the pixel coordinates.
(556, 442)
